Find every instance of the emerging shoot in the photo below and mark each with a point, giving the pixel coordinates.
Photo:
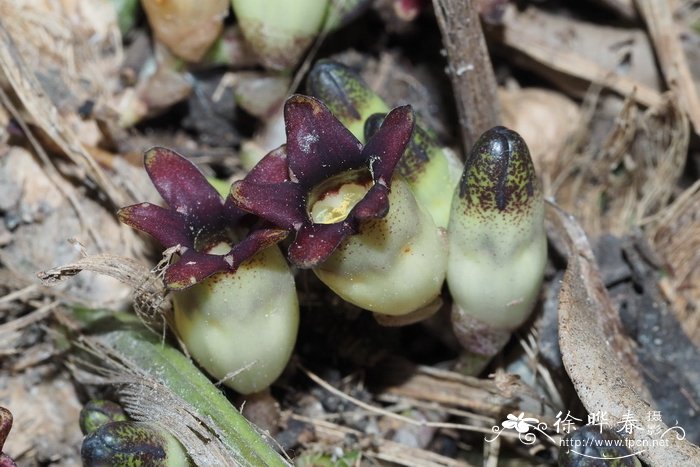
(498, 246)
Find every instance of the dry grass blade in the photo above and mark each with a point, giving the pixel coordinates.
(623, 181)
(379, 411)
(675, 234)
(665, 34)
(28, 319)
(490, 398)
(598, 358)
(149, 290)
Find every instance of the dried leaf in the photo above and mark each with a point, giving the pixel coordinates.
(555, 45)
(597, 355)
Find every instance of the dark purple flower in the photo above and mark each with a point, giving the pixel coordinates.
(197, 219)
(320, 159)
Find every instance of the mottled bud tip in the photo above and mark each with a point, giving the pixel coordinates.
(593, 446)
(373, 123)
(131, 443)
(499, 173)
(99, 412)
(346, 95)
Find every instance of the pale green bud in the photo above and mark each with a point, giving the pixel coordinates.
(127, 11)
(280, 31)
(242, 326)
(395, 265)
(99, 412)
(341, 12)
(498, 246)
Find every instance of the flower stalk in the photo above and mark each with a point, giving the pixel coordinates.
(498, 246)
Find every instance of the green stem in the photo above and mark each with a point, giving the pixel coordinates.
(170, 367)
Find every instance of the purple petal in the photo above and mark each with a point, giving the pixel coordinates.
(231, 212)
(168, 227)
(255, 241)
(272, 168)
(283, 204)
(194, 267)
(183, 186)
(318, 145)
(374, 205)
(314, 243)
(387, 145)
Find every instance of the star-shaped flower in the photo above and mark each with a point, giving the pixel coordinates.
(324, 182)
(207, 229)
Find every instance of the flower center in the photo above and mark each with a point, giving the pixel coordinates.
(333, 200)
(218, 243)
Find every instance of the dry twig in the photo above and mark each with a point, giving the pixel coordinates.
(469, 67)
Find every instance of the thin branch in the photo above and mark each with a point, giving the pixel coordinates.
(469, 67)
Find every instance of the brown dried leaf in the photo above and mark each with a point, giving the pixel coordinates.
(597, 355)
(619, 59)
(149, 289)
(665, 33)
